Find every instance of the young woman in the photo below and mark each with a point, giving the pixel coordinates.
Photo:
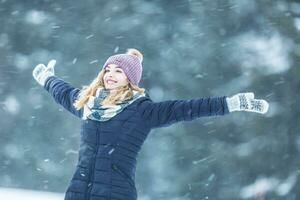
(116, 118)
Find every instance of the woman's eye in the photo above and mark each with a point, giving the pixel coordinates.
(108, 71)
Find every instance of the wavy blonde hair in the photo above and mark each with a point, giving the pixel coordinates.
(121, 94)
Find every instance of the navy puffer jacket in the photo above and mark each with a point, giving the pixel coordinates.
(108, 150)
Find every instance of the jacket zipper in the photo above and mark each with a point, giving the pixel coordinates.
(124, 175)
(90, 184)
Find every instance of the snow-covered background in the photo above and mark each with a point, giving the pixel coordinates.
(21, 194)
(192, 48)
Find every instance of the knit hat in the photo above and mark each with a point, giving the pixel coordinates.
(130, 63)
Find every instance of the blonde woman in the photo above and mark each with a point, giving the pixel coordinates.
(116, 118)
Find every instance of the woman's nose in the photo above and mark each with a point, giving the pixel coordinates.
(109, 73)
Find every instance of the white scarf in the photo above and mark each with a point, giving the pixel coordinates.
(95, 111)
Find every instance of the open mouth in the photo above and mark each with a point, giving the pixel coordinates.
(110, 81)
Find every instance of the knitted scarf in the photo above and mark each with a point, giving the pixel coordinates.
(95, 111)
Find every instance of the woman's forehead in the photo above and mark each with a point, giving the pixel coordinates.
(113, 66)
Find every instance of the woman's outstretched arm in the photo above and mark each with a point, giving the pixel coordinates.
(162, 114)
(63, 93)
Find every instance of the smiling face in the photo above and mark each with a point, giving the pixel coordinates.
(114, 77)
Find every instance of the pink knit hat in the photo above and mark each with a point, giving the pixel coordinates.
(130, 63)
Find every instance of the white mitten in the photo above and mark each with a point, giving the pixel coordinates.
(41, 72)
(246, 102)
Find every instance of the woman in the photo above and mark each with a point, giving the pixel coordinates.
(116, 118)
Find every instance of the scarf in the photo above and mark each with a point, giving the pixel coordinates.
(95, 111)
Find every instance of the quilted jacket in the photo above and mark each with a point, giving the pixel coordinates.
(108, 150)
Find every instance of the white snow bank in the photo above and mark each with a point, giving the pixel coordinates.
(22, 194)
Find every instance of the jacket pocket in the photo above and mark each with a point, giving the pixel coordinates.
(123, 174)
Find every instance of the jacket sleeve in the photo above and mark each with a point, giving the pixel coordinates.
(165, 113)
(63, 93)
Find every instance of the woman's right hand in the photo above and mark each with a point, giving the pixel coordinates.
(41, 72)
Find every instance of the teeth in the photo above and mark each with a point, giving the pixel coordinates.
(109, 81)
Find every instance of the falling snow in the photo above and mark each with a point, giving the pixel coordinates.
(191, 49)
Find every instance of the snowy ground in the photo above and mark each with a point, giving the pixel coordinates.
(20, 194)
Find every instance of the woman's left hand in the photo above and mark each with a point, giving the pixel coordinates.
(246, 102)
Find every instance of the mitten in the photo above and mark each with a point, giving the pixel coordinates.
(246, 102)
(41, 72)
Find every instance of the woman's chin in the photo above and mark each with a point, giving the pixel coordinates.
(110, 87)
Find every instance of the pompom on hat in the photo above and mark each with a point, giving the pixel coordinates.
(130, 62)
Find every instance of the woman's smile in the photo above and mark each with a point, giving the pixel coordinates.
(111, 81)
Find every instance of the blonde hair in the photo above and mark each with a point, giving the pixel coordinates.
(122, 93)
